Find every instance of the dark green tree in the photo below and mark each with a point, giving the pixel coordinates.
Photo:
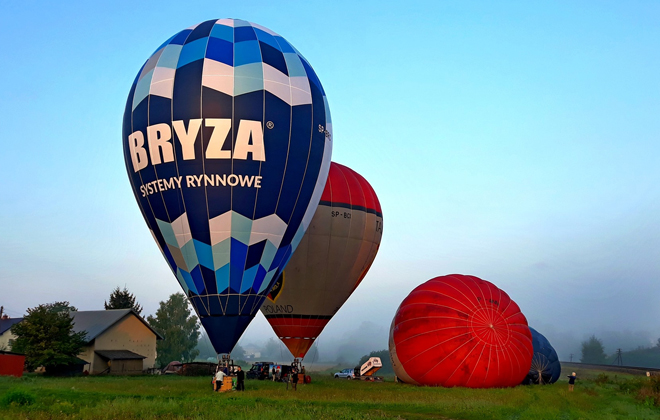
(123, 299)
(179, 328)
(593, 351)
(46, 337)
(61, 307)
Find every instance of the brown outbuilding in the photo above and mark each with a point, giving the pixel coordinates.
(118, 341)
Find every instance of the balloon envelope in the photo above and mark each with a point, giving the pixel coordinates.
(459, 330)
(227, 144)
(332, 259)
(545, 368)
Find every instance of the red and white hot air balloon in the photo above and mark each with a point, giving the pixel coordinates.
(330, 262)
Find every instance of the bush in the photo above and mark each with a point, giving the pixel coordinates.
(654, 383)
(602, 379)
(630, 386)
(649, 392)
(17, 397)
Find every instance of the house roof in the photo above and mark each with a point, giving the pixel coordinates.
(119, 355)
(2, 352)
(97, 322)
(6, 324)
(94, 322)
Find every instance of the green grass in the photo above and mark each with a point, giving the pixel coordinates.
(174, 397)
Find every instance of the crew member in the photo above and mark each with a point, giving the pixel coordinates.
(219, 378)
(294, 380)
(240, 379)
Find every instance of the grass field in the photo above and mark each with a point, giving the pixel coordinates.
(174, 397)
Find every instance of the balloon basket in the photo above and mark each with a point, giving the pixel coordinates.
(227, 384)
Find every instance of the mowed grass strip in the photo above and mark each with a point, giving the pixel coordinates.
(174, 397)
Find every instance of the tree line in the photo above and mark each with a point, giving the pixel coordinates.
(593, 352)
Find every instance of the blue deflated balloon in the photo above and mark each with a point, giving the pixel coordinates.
(545, 368)
(227, 143)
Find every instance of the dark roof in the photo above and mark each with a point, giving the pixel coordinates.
(6, 324)
(97, 322)
(94, 322)
(119, 355)
(10, 353)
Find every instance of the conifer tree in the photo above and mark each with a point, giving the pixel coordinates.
(593, 351)
(123, 299)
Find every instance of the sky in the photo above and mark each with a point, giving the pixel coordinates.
(515, 141)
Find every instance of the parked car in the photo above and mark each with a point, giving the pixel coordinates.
(346, 373)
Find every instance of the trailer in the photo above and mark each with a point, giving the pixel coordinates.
(367, 371)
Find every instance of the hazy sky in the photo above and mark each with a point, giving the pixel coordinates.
(515, 141)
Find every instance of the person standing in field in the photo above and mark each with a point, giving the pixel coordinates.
(294, 380)
(274, 372)
(219, 378)
(571, 381)
(240, 379)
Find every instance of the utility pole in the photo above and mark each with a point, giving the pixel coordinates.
(619, 358)
(571, 357)
(2, 308)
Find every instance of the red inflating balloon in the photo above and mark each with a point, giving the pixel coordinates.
(459, 330)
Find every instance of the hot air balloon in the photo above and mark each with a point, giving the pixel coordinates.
(330, 262)
(459, 330)
(227, 144)
(545, 368)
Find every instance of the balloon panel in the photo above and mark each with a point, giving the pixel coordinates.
(460, 330)
(332, 259)
(545, 367)
(227, 144)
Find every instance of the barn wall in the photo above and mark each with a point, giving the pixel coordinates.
(130, 334)
(4, 340)
(87, 354)
(12, 365)
(126, 367)
(99, 364)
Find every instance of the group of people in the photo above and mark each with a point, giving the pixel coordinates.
(292, 377)
(224, 371)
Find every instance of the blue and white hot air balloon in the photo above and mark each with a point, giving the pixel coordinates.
(227, 144)
(545, 367)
